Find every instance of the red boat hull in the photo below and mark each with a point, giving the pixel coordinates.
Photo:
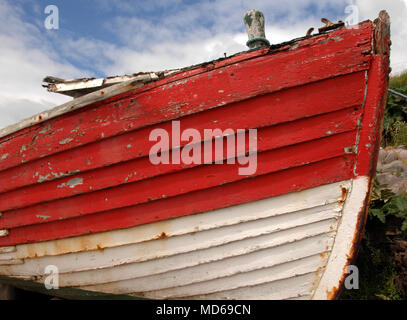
(317, 105)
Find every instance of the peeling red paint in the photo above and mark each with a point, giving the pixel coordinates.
(302, 141)
(145, 114)
(370, 136)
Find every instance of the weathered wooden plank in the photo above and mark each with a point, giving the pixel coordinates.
(240, 280)
(372, 123)
(117, 92)
(141, 168)
(311, 61)
(300, 178)
(182, 182)
(174, 284)
(180, 251)
(310, 201)
(168, 273)
(355, 215)
(262, 111)
(275, 290)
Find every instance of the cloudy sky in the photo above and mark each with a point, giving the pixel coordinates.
(98, 38)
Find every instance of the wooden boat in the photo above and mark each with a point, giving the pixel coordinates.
(80, 191)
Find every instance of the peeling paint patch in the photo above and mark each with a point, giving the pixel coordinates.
(350, 150)
(71, 183)
(23, 148)
(177, 83)
(43, 178)
(43, 217)
(295, 46)
(65, 141)
(45, 129)
(55, 174)
(181, 82)
(129, 176)
(4, 156)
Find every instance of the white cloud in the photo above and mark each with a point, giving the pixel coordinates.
(25, 58)
(397, 10)
(179, 39)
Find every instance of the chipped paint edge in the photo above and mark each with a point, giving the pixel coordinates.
(3, 232)
(125, 86)
(344, 245)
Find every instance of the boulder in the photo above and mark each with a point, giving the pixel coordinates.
(392, 169)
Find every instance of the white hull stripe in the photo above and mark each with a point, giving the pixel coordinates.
(278, 248)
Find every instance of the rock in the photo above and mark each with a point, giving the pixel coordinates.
(392, 169)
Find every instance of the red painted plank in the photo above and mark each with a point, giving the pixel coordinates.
(300, 178)
(311, 61)
(372, 123)
(262, 111)
(139, 169)
(171, 185)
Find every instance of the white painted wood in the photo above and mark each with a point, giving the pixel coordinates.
(253, 248)
(9, 262)
(71, 106)
(87, 83)
(299, 297)
(344, 242)
(310, 198)
(276, 290)
(8, 249)
(159, 248)
(263, 266)
(241, 280)
(75, 85)
(180, 270)
(3, 232)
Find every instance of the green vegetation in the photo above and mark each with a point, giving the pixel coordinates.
(378, 271)
(386, 204)
(395, 119)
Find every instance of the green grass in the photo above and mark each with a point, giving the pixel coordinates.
(398, 81)
(376, 275)
(377, 271)
(400, 134)
(395, 119)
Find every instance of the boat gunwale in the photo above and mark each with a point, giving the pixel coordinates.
(117, 90)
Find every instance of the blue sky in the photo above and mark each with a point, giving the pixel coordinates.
(98, 38)
(140, 25)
